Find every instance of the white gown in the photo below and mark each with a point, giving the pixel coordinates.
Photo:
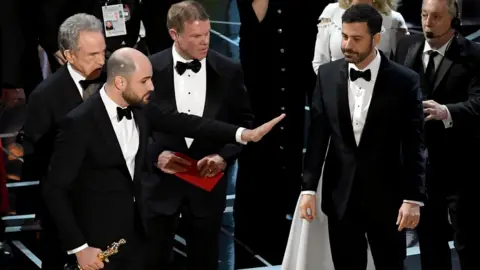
(308, 245)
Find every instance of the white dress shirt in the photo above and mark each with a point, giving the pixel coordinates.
(448, 123)
(191, 92)
(360, 94)
(76, 77)
(190, 89)
(128, 139)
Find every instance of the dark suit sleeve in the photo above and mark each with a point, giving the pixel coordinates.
(185, 125)
(467, 112)
(318, 137)
(37, 124)
(240, 114)
(70, 151)
(413, 143)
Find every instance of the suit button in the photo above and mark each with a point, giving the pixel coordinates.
(282, 50)
(281, 147)
(280, 30)
(279, 11)
(282, 128)
(282, 69)
(282, 89)
(282, 108)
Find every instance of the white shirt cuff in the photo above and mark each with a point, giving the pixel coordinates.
(308, 192)
(77, 249)
(238, 135)
(448, 123)
(415, 202)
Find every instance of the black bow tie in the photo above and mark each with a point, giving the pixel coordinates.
(127, 113)
(355, 74)
(181, 67)
(85, 83)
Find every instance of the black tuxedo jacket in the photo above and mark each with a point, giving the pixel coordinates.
(388, 164)
(89, 190)
(226, 101)
(453, 152)
(48, 104)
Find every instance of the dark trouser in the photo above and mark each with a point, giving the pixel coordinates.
(349, 244)
(201, 235)
(434, 226)
(433, 234)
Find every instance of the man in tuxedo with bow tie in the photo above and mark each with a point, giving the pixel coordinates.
(81, 40)
(448, 65)
(94, 182)
(192, 79)
(367, 126)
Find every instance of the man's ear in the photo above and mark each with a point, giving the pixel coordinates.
(376, 39)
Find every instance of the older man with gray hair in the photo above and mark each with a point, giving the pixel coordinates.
(82, 42)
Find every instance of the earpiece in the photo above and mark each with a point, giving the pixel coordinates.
(456, 22)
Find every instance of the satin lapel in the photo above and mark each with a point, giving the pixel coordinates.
(374, 110)
(344, 115)
(72, 97)
(446, 63)
(165, 89)
(213, 95)
(164, 84)
(105, 126)
(142, 137)
(413, 53)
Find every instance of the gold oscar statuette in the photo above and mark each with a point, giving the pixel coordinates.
(110, 251)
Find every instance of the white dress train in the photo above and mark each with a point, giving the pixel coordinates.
(308, 246)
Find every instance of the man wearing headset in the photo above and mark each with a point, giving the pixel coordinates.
(449, 66)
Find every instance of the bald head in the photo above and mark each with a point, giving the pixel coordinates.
(123, 62)
(129, 77)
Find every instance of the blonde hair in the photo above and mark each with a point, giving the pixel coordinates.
(383, 6)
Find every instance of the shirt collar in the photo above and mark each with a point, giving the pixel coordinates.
(77, 77)
(374, 66)
(110, 105)
(442, 50)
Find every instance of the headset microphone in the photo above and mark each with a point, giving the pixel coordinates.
(455, 24)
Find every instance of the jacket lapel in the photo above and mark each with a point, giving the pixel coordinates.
(165, 75)
(108, 133)
(344, 115)
(380, 87)
(72, 97)
(413, 52)
(446, 63)
(142, 136)
(213, 93)
(166, 89)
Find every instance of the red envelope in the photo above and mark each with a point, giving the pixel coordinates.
(192, 175)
